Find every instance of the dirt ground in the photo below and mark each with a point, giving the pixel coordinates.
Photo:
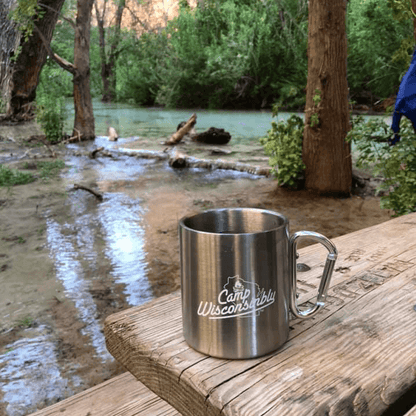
(31, 296)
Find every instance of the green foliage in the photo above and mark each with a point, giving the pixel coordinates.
(373, 39)
(284, 146)
(401, 9)
(10, 177)
(25, 322)
(396, 164)
(50, 115)
(50, 169)
(241, 54)
(50, 102)
(221, 56)
(23, 14)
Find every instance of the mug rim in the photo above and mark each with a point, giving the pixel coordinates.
(284, 219)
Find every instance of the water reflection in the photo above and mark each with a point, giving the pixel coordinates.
(70, 272)
(121, 220)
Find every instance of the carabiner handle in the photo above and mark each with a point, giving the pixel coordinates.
(326, 276)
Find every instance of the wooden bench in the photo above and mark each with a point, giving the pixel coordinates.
(123, 395)
(358, 356)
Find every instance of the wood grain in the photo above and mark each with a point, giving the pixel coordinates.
(357, 357)
(120, 396)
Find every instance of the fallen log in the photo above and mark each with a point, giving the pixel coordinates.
(94, 152)
(186, 128)
(85, 188)
(177, 159)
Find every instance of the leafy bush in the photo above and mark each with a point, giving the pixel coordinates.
(50, 104)
(396, 164)
(284, 146)
(51, 116)
(221, 56)
(370, 63)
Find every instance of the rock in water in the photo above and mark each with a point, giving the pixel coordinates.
(213, 136)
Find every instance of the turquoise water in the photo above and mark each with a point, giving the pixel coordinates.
(130, 120)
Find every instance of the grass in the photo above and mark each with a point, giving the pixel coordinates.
(51, 169)
(26, 322)
(10, 177)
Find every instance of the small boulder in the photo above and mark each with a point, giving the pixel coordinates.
(212, 136)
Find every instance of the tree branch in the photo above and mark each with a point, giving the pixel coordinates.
(60, 61)
(72, 23)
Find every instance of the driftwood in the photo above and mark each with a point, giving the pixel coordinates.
(94, 152)
(85, 188)
(42, 139)
(186, 128)
(112, 134)
(177, 159)
(73, 138)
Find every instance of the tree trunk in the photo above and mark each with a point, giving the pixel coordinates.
(29, 63)
(9, 41)
(84, 117)
(108, 74)
(325, 153)
(103, 57)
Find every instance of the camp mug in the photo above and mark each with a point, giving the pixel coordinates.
(238, 276)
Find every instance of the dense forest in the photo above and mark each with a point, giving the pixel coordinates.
(245, 54)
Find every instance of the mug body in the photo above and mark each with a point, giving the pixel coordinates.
(235, 281)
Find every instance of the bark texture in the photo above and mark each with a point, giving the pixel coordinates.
(9, 41)
(325, 152)
(84, 118)
(108, 60)
(26, 69)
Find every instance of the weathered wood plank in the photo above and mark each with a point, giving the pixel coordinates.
(120, 396)
(357, 356)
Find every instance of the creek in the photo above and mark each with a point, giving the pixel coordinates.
(111, 255)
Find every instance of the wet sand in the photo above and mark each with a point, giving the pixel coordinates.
(67, 260)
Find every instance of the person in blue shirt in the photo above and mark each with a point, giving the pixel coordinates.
(405, 101)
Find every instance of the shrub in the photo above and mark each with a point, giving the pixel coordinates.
(397, 164)
(284, 146)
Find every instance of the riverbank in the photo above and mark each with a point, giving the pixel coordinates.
(67, 260)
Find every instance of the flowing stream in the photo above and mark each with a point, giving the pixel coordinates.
(113, 233)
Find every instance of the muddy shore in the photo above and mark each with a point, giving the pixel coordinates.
(38, 309)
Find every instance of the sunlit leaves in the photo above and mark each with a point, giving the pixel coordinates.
(283, 145)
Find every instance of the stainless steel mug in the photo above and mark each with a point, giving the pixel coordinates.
(238, 275)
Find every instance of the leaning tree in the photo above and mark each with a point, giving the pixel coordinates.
(39, 23)
(23, 57)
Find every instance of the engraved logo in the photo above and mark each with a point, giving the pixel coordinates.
(238, 298)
